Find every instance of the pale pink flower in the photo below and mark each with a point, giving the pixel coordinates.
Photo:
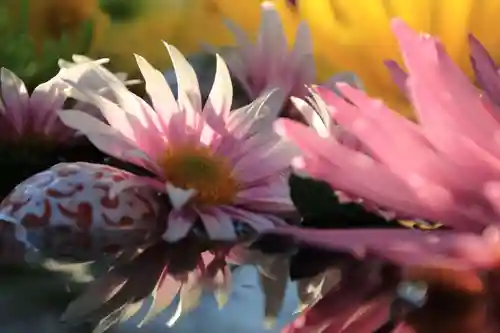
(216, 165)
(25, 116)
(269, 63)
(33, 117)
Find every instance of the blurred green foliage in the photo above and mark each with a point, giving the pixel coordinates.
(19, 54)
(121, 10)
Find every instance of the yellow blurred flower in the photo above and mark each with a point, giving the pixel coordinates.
(354, 35)
(187, 24)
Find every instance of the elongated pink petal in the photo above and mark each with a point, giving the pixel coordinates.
(15, 97)
(158, 90)
(218, 224)
(179, 224)
(220, 98)
(188, 94)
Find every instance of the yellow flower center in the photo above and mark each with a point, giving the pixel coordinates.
(191, 167)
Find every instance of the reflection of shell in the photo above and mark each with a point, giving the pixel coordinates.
(70, 210)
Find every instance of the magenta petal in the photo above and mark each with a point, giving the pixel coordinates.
(485, 70)
(399, 76)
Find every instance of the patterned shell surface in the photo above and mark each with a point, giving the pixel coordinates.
(71, 210)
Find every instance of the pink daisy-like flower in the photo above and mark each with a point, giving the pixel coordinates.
(269, 63)
(216, 165)
(445, 168)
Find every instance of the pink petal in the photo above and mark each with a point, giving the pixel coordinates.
(273, 196)
(15, 98)
(105, 138)
(485, 70)
(178, 225)
(158, 90)
(398, 75)
(188, 94)
(218, 224)
(434, 81)
(350, 171)
(259, 164)
(220, 98)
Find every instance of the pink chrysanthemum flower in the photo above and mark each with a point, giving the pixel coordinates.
(269, 63)
(442, 169)
(216, 165)
(445, 168)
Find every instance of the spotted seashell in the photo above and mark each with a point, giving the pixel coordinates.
(72, 210)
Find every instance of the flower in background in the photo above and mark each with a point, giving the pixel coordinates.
(269, 63)
(32, 118)
(26, 116)
(53, 19)
(224, 171)
(167, 20)
(356, 36)
(36, 34)
(32, 136)
(445, 168)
